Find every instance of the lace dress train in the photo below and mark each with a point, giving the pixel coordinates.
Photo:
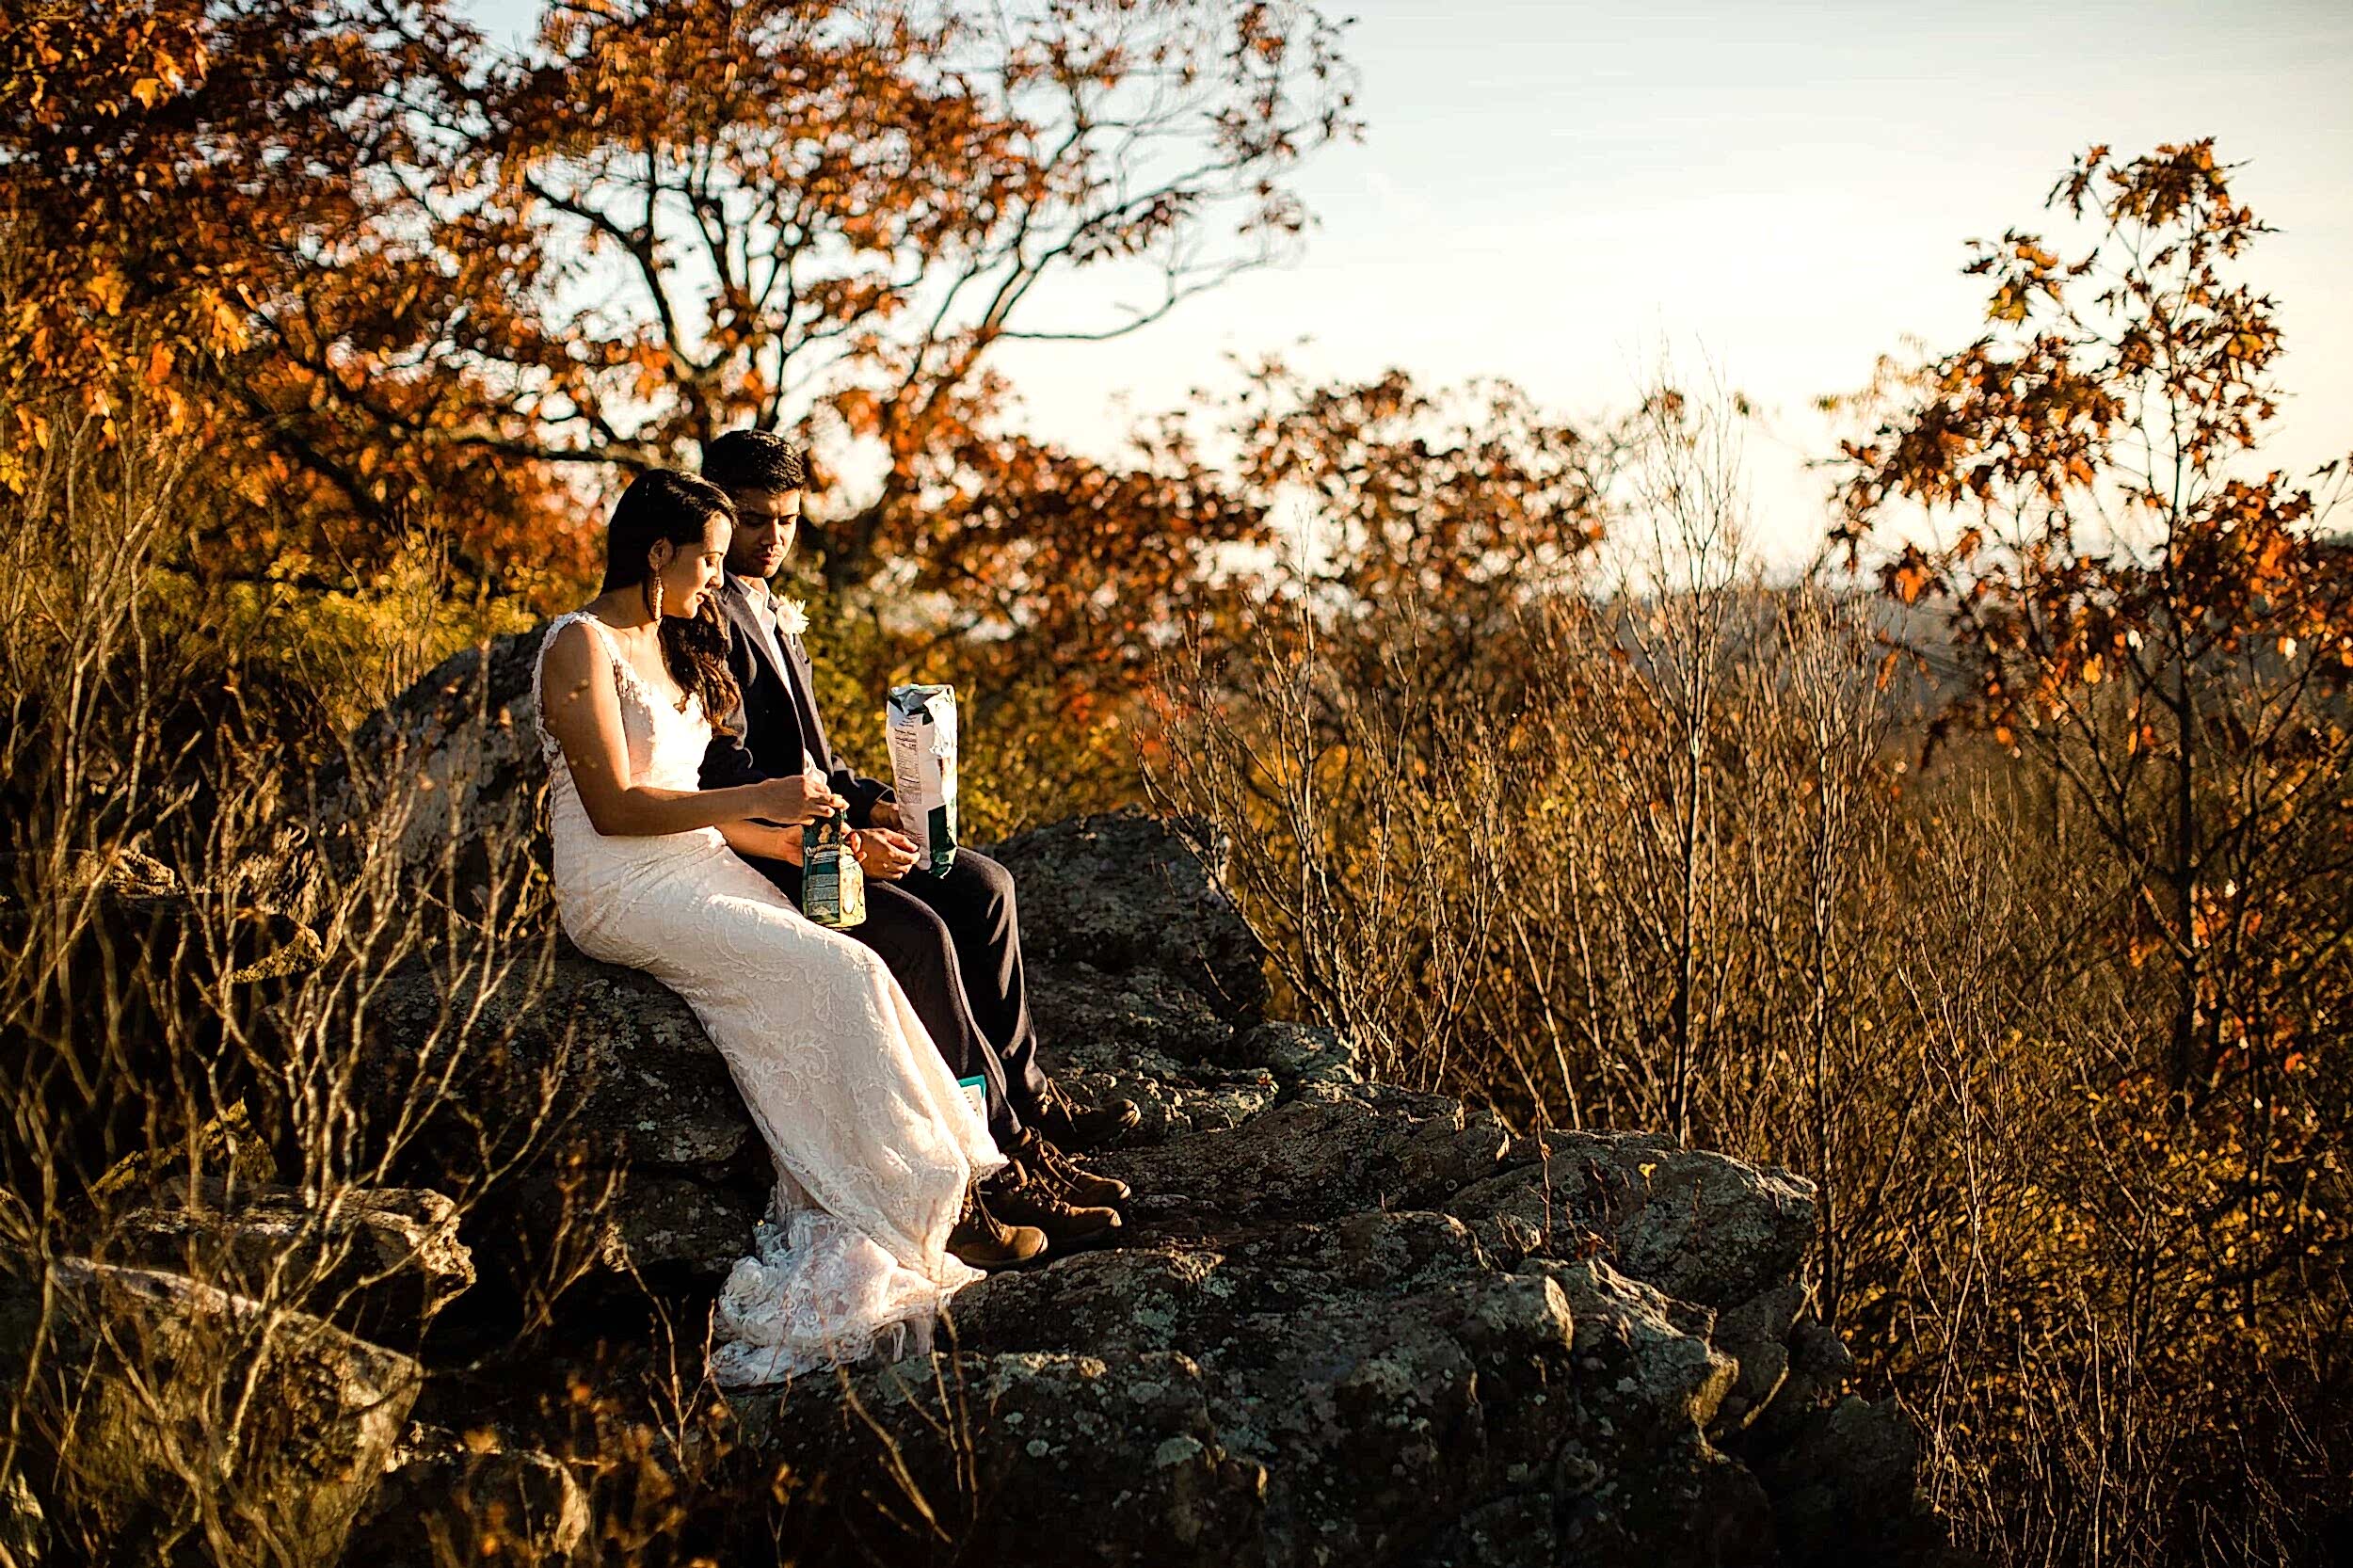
(873, 1142)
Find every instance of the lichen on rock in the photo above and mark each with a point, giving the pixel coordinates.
(1344, 1323)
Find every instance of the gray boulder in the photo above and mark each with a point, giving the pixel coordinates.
(469, 732)
(1319, 1344)
(660, 1221)
(1704, 1228)
(1042, 1457)
(166, 1412)
(1345, 1322)
(620, 1059)
(379, 1262)
(1123, 892)
(449, 1496)
(1846, 1482)
(646, 1141)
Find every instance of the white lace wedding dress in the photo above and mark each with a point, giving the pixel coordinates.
(873, 1142)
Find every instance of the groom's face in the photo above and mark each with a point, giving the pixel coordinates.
(766, 522)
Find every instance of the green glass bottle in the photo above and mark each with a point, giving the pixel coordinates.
(833, 885)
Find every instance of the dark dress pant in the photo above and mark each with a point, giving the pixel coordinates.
(954, 943)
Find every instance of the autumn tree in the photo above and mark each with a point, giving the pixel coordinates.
(160, 168)
(429, 277)
(1463, 505)
(210, 205)
(829, 216)
(1464, 492)
(1469, 502)
(2140, 604)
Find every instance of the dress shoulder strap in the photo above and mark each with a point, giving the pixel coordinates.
(604, 635)
(622, 667)
(539, 664)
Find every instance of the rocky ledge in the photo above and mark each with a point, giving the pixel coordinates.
(1344, 1323)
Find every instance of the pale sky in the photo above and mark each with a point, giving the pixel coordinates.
(1556, 193)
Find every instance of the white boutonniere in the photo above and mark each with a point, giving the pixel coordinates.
(791, 616)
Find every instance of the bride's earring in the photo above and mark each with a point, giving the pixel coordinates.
(654, 597)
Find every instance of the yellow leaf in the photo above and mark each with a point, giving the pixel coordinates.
(108, 288)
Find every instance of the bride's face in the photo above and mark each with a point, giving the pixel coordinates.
(692, 573)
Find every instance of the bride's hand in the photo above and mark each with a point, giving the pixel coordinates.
(795, 801)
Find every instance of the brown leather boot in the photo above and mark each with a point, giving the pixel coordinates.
(1072, 1179)
(1026, 1197)
(1080, 1127)
(982, 1240)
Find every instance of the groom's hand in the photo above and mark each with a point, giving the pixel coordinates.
(792, 801)
(882, 854)
(884, 814)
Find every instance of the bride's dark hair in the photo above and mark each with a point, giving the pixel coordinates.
(662, 504)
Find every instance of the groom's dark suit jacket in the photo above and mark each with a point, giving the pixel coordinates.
(955, 941)
(777, 719)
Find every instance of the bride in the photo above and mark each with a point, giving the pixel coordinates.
(876, 1221)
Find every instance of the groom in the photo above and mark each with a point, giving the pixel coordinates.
(953, 941)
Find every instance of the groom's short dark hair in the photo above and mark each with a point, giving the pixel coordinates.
(754, 461)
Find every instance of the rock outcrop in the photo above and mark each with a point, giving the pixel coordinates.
(467, 733)
(1349, 1324)
(1345, 1323)
(379, 1263)
(282, 1423)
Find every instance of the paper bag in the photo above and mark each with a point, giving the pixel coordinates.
(921, 722)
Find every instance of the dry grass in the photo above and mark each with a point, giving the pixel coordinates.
(187, 1003)
(194, 989)
(1662, 853)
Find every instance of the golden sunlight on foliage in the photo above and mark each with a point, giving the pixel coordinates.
(1998, 875)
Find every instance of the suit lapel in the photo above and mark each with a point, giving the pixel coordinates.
(803, 688)
(763, 645)
(795, 674)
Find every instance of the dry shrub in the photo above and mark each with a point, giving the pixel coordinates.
(1668, 852)
(193, 988)
(186, 1002)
